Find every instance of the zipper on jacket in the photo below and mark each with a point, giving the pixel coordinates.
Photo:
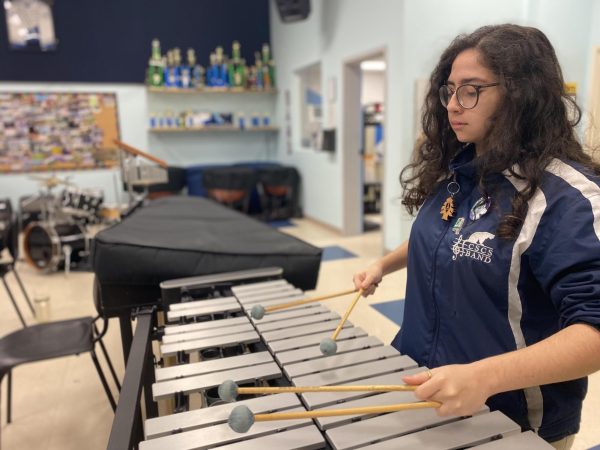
(435, 305)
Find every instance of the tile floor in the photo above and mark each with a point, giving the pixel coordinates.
(60, 404)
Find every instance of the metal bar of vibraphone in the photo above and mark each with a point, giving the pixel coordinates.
(457, 434)
(313, 352)
(308, 310)
(524, 441)
(296, 321)
(282, 295)
(278, 301)
(127, 421)
(390, 427)
(340, 360)
(380, 399)
(305, 330)
(213, 365)
(202, 334)
(218, 341)
(245, 288)
(251, 290)
(210, 324)
(314, 339)
(203, 382)
(203, 310)
(221, 434)
(204, 302)
(205, 417)
(348, 374)
(332, 398)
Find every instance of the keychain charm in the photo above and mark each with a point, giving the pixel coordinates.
(447, 209)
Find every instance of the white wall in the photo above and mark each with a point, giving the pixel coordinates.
(413, 35)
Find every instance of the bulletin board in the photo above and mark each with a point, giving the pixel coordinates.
(57, 131)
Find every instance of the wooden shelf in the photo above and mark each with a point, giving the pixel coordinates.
(218, 129)
(217, 90)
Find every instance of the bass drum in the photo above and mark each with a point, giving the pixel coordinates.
(47, 244)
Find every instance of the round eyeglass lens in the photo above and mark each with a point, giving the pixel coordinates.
(467, 96)
(445, 95)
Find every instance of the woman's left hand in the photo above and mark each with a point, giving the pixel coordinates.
(457, 387)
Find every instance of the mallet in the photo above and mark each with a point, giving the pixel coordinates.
(241, 418)
(258, 311)
(229, 390)
(328, 346)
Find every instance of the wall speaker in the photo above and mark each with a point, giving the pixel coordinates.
(293, 10)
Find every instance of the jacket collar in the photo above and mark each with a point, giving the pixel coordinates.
(465, 162)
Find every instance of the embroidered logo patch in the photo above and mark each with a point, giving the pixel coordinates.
(473, 247)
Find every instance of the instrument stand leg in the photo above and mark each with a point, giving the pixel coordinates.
(23, 289)
(149, 379)
(126, 335)
(9, 398)
(108, 360)
(12, 299)
(67, 250)
(109, 395)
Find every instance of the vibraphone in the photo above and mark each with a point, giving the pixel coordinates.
(282, 349)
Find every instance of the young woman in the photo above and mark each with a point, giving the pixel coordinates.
(503, 290)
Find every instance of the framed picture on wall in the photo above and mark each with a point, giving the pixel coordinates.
(30, 25)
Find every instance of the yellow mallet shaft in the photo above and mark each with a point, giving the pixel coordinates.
(348, 311)
(347, 388)
(345, 412)
(307, 300)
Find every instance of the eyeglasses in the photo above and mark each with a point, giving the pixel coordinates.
(466, 94)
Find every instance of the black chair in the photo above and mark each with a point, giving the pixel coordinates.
(11, 242)
(53, 340)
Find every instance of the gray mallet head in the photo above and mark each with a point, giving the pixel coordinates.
(228, 391)
(328, 347)
(257, 312)
(241, 419)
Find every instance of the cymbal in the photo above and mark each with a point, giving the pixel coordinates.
(51, 181)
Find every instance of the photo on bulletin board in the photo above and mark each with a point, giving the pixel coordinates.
(30, 25)
(57, 131)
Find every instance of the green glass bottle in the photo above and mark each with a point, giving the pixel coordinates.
(155, 75)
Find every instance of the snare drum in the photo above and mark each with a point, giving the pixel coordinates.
(47, 244)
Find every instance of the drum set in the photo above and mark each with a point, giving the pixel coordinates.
(55, 234)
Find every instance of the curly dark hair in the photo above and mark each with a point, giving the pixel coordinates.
(534, 122)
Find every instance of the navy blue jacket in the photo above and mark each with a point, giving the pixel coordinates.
(471, 295)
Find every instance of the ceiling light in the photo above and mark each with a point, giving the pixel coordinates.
(372, 65)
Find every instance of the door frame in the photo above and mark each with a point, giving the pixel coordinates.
(592, 133)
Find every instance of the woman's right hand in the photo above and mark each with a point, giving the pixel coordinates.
(369, 279)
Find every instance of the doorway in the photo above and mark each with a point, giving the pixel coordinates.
(364, 128)
(373, 132)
